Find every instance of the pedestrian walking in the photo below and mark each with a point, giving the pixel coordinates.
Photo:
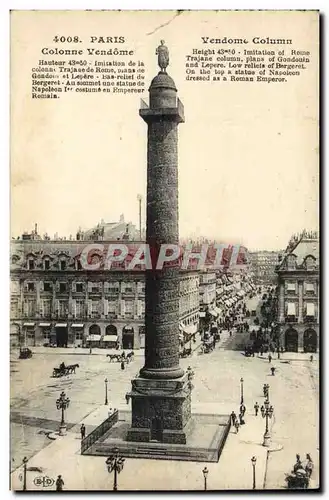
(256, 407)
(241, 419)
(242, 409)
(233, 417)
(236, 425)
(273, 370)
(122, 365)
(83, 431)
(311, 358)
(59, 483)
(269, 358)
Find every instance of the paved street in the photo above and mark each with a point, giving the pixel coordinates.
(217, 389)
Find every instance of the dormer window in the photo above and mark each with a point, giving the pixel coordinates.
(30, 264)
(310, 263)
(14, 259)
(291, 262)
(62, 265)
(46, 264)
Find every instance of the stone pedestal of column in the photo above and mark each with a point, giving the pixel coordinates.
(161, 410)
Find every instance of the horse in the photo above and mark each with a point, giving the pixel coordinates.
(113, 357)
(130, 356)
(71, 368)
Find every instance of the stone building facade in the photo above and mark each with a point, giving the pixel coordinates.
(54, 300)
(298, 296)
(208, 281)
(262, 265)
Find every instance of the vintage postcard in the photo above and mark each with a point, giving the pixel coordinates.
(164, 254)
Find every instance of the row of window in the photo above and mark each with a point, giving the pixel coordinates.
(292, 287)
(309, 310)
(79, 308)
(63, 286)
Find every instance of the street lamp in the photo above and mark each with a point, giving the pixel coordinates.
(205, 474)
(241, 381)
(24, 473)
(115, 463)
(106, 400)
(253, 461)
(62, 403)
(267, 412)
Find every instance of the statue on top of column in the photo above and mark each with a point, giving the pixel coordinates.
(163, 56)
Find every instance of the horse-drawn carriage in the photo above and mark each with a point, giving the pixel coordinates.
(64, 370)
(185, 352)
(25, 353)
(207, 347)
(298, 480)
(248, 351)
(299, 477)
(118, 358)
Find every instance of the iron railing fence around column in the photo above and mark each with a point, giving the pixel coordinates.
(89, 440)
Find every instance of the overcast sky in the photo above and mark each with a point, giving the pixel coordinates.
(248, 153)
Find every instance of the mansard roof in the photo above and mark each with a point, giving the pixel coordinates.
(306, 247)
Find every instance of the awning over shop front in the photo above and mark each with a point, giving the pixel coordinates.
(291, 309)
(310, 310)
(213, 313)
(45, 325)
(191, 329)
(110, 338)
(93, 338)
(61, 325)
(202, 314)
(29, 325)
(78, 325)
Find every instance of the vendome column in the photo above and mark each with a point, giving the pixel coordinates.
(161, 394)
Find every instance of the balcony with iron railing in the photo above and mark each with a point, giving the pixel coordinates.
(291, 319)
